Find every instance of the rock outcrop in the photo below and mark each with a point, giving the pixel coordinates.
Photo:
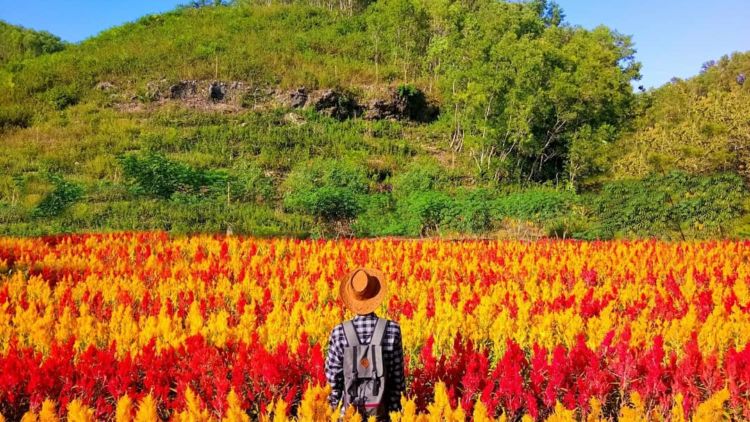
(105, 86)
(338, 105)
(298, 97)
(182, 90)
(405, 104)
(402, 105)
(217, 91)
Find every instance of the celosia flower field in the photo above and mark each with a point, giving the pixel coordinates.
(144, 326)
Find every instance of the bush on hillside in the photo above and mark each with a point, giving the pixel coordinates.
(536, 204)
(672, 205)
(328, 203)
(62, 97)
(157, 176)
(421, 175)
(20, 43)
(63, 195)
(473, 211)
(15, 116)
(250, 184)
(426, 213)
(328, 190)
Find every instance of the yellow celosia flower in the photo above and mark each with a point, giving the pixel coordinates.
(595, 415)
(124, 409)
(79, 412)
(678, 414)
(29, 416)
(561, 414)
(637, 413)
(713, 408)
(146, 410)
(480, 413)
(351, 416)
(193, 411)
(48, 413)
(279, 411)
(234, 413)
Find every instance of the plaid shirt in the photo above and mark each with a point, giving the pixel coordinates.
(393, 358)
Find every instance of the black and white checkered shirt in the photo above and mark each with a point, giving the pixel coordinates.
(393, 357)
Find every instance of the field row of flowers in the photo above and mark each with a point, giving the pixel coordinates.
(140, 325)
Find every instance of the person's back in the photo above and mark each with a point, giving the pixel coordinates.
(364, 364)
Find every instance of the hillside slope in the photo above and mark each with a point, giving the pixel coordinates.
(399, 117)
(699, 125)
(20, 43)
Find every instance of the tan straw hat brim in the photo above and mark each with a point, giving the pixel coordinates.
(363, 306)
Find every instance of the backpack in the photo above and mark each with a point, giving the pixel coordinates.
(364, 374)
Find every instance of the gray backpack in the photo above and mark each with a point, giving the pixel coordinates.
(364, 374)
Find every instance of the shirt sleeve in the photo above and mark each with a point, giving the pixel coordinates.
(334, 368)
(395, 380)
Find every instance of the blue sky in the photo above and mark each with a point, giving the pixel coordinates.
(673, 37)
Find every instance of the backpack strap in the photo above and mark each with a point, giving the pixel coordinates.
(351, 334)
(377, 335)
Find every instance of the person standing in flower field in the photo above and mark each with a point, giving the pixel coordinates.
(365, 360)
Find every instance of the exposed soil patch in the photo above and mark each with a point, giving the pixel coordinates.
(237, 95)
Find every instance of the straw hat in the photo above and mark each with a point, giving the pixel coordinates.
(363, 290)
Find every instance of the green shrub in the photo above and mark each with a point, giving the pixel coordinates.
(415, 102)
(328, 203)
(670, 205)
(473, 211)
(317, 173)
(159, 177)
(61, 97)
(422, 175)
(329, 191)
(536, 204)
(250, 184)
(378, 217)
(408, 91)
(426, 213)
(62, 196)
(15, 116)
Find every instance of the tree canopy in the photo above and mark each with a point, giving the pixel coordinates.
(20, 43)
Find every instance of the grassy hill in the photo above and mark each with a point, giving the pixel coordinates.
(698, 125)
(395, 117)
(21, 43)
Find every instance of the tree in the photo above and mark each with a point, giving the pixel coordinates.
(522, 86)
(327, 190)
(696, 125)
(402, 28)
(20, 43)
